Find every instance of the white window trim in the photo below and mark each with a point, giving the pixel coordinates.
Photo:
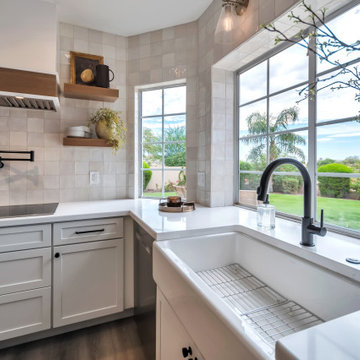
(311, 128)
(163, 143)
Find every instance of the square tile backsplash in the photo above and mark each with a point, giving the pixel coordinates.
(187, 51)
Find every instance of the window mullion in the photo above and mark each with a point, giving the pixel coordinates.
(312, 162)
(163, 146)
(268, 113)
(141, 146)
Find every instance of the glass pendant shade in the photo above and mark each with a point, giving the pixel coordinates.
(227, 25)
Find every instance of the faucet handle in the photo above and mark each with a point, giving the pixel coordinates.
(322, 218)
(322, 229)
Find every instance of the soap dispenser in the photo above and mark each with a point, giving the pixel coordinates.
(266, 215)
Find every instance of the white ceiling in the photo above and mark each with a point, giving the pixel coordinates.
(130, 17)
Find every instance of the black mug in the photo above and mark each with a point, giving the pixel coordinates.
(102, 78)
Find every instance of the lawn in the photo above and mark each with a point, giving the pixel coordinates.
(158, 194)
(341, 212)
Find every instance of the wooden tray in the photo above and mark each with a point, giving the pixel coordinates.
(185, 207)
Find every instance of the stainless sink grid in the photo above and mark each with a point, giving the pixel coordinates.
(271, 315)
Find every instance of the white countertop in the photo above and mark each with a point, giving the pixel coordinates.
(330, 252)
(334, 340)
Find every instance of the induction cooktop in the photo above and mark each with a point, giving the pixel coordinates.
(27, 210)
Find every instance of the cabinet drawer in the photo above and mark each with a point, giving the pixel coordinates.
(24, 313)
(25, 237)
(88, 230)
(25, 270)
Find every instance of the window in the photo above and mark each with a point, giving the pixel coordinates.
(163, 141)
(323, 132)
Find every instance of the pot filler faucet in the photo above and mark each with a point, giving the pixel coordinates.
(308, 228)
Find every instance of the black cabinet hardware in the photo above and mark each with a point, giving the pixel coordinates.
(89, 231)
(186, 351)
(57, 255)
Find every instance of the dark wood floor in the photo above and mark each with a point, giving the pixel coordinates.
(114, 341)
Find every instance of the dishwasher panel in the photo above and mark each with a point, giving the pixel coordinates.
(145, 291)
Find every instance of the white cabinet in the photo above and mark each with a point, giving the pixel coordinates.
(25, 270)
(25, 312)
(171, 337)
(88, 281)
(25, 237)
(25, 280)
(78, 278)
(87, 230)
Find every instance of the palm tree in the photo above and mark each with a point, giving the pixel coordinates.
(283, 144)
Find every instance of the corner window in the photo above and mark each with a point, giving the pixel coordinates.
(163, 141)
(323, 133)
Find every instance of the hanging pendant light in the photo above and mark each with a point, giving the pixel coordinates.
(228, 23)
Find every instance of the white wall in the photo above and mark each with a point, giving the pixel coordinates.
(28, 42)
(61, 173)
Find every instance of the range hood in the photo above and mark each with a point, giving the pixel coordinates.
(28, 90)
(28, 52)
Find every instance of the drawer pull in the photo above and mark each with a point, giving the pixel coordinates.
(57, 255)
(89, 231)
(186, 351)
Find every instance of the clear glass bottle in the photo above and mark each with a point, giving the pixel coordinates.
(266, 215)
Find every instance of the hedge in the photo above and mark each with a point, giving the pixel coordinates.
(286, 184)
(147, 175)
(335, 187)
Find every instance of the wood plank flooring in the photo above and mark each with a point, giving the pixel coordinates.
(117, 340)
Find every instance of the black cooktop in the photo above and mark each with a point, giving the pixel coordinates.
(27, 210)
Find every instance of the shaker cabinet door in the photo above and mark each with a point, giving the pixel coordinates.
(88, 281)
(172, 340)
(25, 312)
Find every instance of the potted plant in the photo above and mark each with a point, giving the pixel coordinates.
(110, 126)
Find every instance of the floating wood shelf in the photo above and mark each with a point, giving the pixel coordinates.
(85, 92)
(85, 142)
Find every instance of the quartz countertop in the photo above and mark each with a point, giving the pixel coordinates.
(337, 339)
(330, 251)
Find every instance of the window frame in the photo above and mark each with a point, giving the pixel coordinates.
(311, 127)
(162, 143)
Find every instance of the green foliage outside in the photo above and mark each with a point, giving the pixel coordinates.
(175, 159)
(341, 212)
(334, 186)
(286, 184)
(169, 187)
(355, 186)
(147, 175)
(248, 181)
(281, 145)
(159, 194)
(175, 153)
(326, 161)
(182, 178)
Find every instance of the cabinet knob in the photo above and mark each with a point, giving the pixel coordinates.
(186, 351)
(57, 255)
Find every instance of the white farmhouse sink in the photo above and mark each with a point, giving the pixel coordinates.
(236, 295)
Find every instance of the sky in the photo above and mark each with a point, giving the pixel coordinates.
(289, 68)
(174, 103)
